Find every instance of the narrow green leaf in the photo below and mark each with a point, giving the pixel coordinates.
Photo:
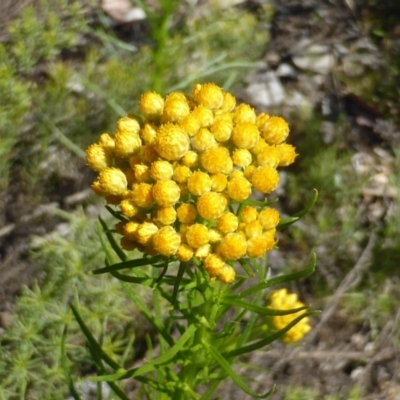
(64, 364)
(225, 365)
(247, 268)
(269, 339)
(277, 281)
(120, 253)
(116, 214)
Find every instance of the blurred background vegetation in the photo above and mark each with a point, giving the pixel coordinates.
(68, 71)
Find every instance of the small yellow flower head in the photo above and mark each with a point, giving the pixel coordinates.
(203, 140)
(161, 170)
(262, 120)
(165, 215)
(151, 105)
(227, 223)
(166, 193)
(287, 154)
(253, 229)
(265, 179)
(257, 246)
(222, 130)
(186, 213)
(198, 183)
(203, 251)
(218, 182)
(233, 246)
(242, 158)
(211, 205)
(142, 194)
(215, 235)
(248, 214)
(172, 143)
(166, 241)
(127, 143)
(204, 116)
(239, 189)
(248, 171)
(182, 173)
(282, 300)
(245, 135)
(269, 155)
(244, 114)
(148, 133)
(127, 244)
(190, 125)
(216, 160)
(269, 218)
(190, 159)
(148, 153)
(236, 174)
(227, 274)
(229, 103)
(214, 265)
(260, 146)
(130, 229)
(184, 253)
(197, 235)
(145, 232)
(141, 173)
(275, 130)
(129, 208)
(209, 95)
(175, 108)
(112, 181)
(97, 157)
(107, 141)
(128, 125)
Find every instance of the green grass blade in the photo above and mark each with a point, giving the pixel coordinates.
(122, 256)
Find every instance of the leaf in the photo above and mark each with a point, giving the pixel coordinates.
(122, 256)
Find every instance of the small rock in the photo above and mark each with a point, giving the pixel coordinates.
(122, 11)
(316, 58)
(286, 71)
(267, 94)
(357, 373)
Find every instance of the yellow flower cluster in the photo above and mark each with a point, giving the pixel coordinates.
(282, 300)
(175, 173)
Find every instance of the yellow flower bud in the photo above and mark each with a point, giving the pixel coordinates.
(130, 229)
(233, 246)
(184, 253)
(257, 246)
(175, 108)
(190, 124)
(97, 157)
(112, 181)
(236, 174)
(282, 300)
(127, 143)
(166, 241)
(275, 130)
(145, 232)
(203, 251)
(142, 194)
(216, 160)
(248, 171)
(215, 235)
(242, 158)
(165, 215)
(222, 130)
(182, 173)
(204, 116)
(203, 140)
(186, 213)
(127, 244)
(142, 173)
(218, 182)
(227, 223)
(166, 193)
(269, 155)
(197, 235)
(148, 133)
(244, 114)
(211, 205)
(269, 218)
(261, 120)
(107, 141)
(265, 179)
(287, 154)
(245, 135)
(260, 146)
(239, 189)
(227, 274)
(248, 214)
(198, 183)
(148, 153)
(214, 264)
(129, 208)
(229, 102)
(129, 125)
(209, 95)
(161, 170)
(172, 142)
(190, 159)
(253, 229)
(95, 186)
(151, 105)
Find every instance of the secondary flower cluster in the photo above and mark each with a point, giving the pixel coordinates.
(282, 300)
(175, 175)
